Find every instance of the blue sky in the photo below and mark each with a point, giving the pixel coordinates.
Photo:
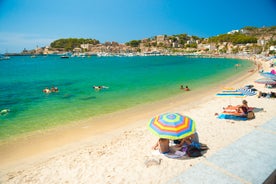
(31, 23)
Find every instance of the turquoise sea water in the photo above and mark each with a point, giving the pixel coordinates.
(131, 81)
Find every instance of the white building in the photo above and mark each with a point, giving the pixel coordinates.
(272, 48)
(233, 31)
(86, 46)
(160, 39)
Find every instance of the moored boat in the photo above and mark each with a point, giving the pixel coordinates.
(4, 57)
(64, 57)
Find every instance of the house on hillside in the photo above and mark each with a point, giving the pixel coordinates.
(272, 48)
(77, 50)
(233, 31)
(160, 38)
(209, 47)
(86, 46)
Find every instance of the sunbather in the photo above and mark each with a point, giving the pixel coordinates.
(267, 95)
(244, 109)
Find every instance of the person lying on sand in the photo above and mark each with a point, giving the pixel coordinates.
(238, 109)
(267, 95)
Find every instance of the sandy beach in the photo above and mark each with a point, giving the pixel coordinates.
(120, 152)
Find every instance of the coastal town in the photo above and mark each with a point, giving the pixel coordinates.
(248, 40)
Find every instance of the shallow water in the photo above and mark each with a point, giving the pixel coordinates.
(131, 81)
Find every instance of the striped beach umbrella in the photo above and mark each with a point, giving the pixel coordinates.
(268, 75)
(266, 81)
(172, 126)
(246, 91)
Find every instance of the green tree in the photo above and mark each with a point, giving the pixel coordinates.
(236, 38)
(134, 43)
(250, 28)
(191, 45)
(161, 44)
(71, 43)
(154, 44)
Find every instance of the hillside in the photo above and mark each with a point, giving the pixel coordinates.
(246, 40)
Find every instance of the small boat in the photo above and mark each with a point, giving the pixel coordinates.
(4, 57)
(64, 57)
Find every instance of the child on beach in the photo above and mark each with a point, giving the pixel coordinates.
(162, 145)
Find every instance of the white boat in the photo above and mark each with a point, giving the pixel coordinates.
(4, 57)
(64, 57)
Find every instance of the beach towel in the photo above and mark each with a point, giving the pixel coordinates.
(228, 116)
(177, 154)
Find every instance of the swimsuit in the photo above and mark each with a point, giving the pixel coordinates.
(244, 110)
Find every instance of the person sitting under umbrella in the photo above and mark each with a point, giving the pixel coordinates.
(162, 145)
(192, 141)
(187, 140)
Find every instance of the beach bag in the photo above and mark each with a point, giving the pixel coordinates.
(193, 151)
(250, 115)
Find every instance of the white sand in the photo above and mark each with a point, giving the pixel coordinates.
(124, 154)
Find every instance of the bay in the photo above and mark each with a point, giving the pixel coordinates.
(130, 81)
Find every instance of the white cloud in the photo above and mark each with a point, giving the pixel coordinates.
(16, 42)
